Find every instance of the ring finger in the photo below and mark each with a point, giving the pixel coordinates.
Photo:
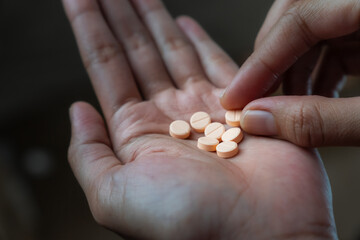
(141, 51)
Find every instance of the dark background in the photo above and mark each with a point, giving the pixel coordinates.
(41, 75)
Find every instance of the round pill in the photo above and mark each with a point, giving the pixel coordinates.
(227, 149)
(179, 129)
(199, 121)
(207, 144)
(215, 130)
(232, 118)
(232, 134)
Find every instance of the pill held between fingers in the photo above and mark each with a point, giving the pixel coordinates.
(207, 144)
(179, 129)
(232, 134)
(232, 118)
(215, 130)
(199, 121)
(227, 149)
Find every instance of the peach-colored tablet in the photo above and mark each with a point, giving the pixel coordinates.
(227, 149)
(215, 130)
(232, 118)
(199, 121)
(207, 144)
(232, 134)
(179, 129)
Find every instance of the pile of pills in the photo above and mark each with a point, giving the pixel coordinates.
(217, 138)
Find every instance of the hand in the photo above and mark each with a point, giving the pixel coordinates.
(147, 71)
(301, 41)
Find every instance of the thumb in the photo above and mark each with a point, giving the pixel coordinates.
(301, 27)
(90, 154)
(308, 121)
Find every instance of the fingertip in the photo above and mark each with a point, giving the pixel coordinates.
(76, 109)
(190, 27)
(184, 20)
(259, 122)
(231, 100)
(228, 104)
(223, 100)
(86, 122)
(258, 116)
(73, 113)
(252, 81)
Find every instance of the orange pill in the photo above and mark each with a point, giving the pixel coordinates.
(227, 149)
(207, 144)
(179, 129)
(199, 121)
(232, 118)
(215, 130)
(232, 134)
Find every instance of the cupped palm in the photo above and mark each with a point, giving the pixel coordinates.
(165, 188)
(144, 184)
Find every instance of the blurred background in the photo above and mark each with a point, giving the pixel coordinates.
(41, 75)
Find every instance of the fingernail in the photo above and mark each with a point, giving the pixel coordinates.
(223, 93)
(259, 123)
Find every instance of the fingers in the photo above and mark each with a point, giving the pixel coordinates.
(296, 81)
(141, 51)
(103, 57)
(300, 28)
(219, 67)
(90, 154)
(178, 54)
(309, 121)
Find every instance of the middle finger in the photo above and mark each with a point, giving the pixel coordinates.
(178, 53)
(146, 62)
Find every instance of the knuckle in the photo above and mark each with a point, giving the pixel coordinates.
(137, 41)
(298, 15)
(101, 53)
(175, 44)
(305, 127)
(220, 59)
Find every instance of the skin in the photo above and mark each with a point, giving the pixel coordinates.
(143, 184)
(300, 43)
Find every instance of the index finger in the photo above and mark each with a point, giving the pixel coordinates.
(301, 27)
(275, 12)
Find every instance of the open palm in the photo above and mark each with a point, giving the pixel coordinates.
(147, 71)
